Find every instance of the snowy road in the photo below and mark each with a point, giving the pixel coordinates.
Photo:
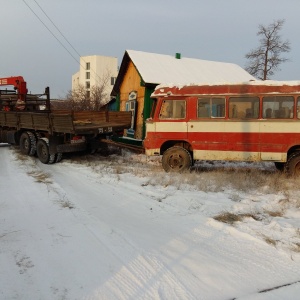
(70, 232)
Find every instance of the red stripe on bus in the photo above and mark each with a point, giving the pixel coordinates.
(229, 141)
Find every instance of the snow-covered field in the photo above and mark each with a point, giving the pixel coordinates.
(119, 227)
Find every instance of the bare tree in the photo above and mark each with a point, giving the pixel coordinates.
(265, 60)
(78, 98)
(98, 93)
(93, 98)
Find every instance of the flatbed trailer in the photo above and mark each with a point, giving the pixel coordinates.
(49, 134)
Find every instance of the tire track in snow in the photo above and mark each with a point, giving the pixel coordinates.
(142, 275)
(146, 276)
(260, 259)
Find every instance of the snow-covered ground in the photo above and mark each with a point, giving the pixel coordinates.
(122, 228)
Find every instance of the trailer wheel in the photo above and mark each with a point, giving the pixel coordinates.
(28, 143)
(42, 150)
(58, 157)
(292, 166)
(176, 159)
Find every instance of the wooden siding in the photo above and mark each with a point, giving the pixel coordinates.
(132, 82)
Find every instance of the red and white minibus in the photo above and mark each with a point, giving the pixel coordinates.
(253, 121)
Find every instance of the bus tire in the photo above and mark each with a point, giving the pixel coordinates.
(42, 150)
(28, 143)
(292, 166)
(176, 159)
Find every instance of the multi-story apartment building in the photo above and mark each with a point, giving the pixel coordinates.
(96, 70)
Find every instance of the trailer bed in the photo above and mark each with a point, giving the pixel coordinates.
(73, 122)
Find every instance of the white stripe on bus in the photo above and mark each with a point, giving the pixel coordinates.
(226, 126)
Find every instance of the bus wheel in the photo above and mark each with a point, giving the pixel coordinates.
(279, 166)
(28, 143)
(42, 150)
(292, 166)
(176, 159)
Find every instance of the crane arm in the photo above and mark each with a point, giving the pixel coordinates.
(17, 81)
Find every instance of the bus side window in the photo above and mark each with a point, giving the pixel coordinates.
(211, 107)
(278, 107)
(202, 112)
(268, 113)
(243, 107)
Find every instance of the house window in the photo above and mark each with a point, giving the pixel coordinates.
(113, 80)
(87, 84)
(88, 94)
(87, 75)
(87, 66)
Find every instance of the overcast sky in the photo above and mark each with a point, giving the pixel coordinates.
(215, 30)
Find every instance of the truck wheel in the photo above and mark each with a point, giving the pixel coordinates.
(176, 159)
(292, 166)
(28, 143)
(42, 150)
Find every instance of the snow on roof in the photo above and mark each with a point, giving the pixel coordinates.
(291, 83)
(159, 68)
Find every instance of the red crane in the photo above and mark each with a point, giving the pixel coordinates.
(18, 82)
(19, 85)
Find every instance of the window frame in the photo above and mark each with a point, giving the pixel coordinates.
(243, 113)
(165, 113)
(281, 112)
(209, 110)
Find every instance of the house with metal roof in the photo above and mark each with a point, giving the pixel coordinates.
(140, 72)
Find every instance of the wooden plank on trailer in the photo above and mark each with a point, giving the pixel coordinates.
(62, 123)
(92, 117)
(41, 121)
(123, 117)
(25, 120)
(2, 118)
(11, 119)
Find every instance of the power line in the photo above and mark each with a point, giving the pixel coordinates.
(50, 31)
(56, 27)
(97, 76)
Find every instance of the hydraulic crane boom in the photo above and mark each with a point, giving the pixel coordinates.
(19, 84)
(21, 99)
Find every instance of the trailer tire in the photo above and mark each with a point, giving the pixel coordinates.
(28, 143)
(292, 166)
(43, 153)
(176, 159)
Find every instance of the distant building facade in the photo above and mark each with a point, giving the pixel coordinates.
(94, 71)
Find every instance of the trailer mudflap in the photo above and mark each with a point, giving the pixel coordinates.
(8, 136)
(54, 141)
(76, 147)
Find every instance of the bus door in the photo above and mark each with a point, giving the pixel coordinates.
(173, 119)
(276, 127)
(243, 126)
(206, 127)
